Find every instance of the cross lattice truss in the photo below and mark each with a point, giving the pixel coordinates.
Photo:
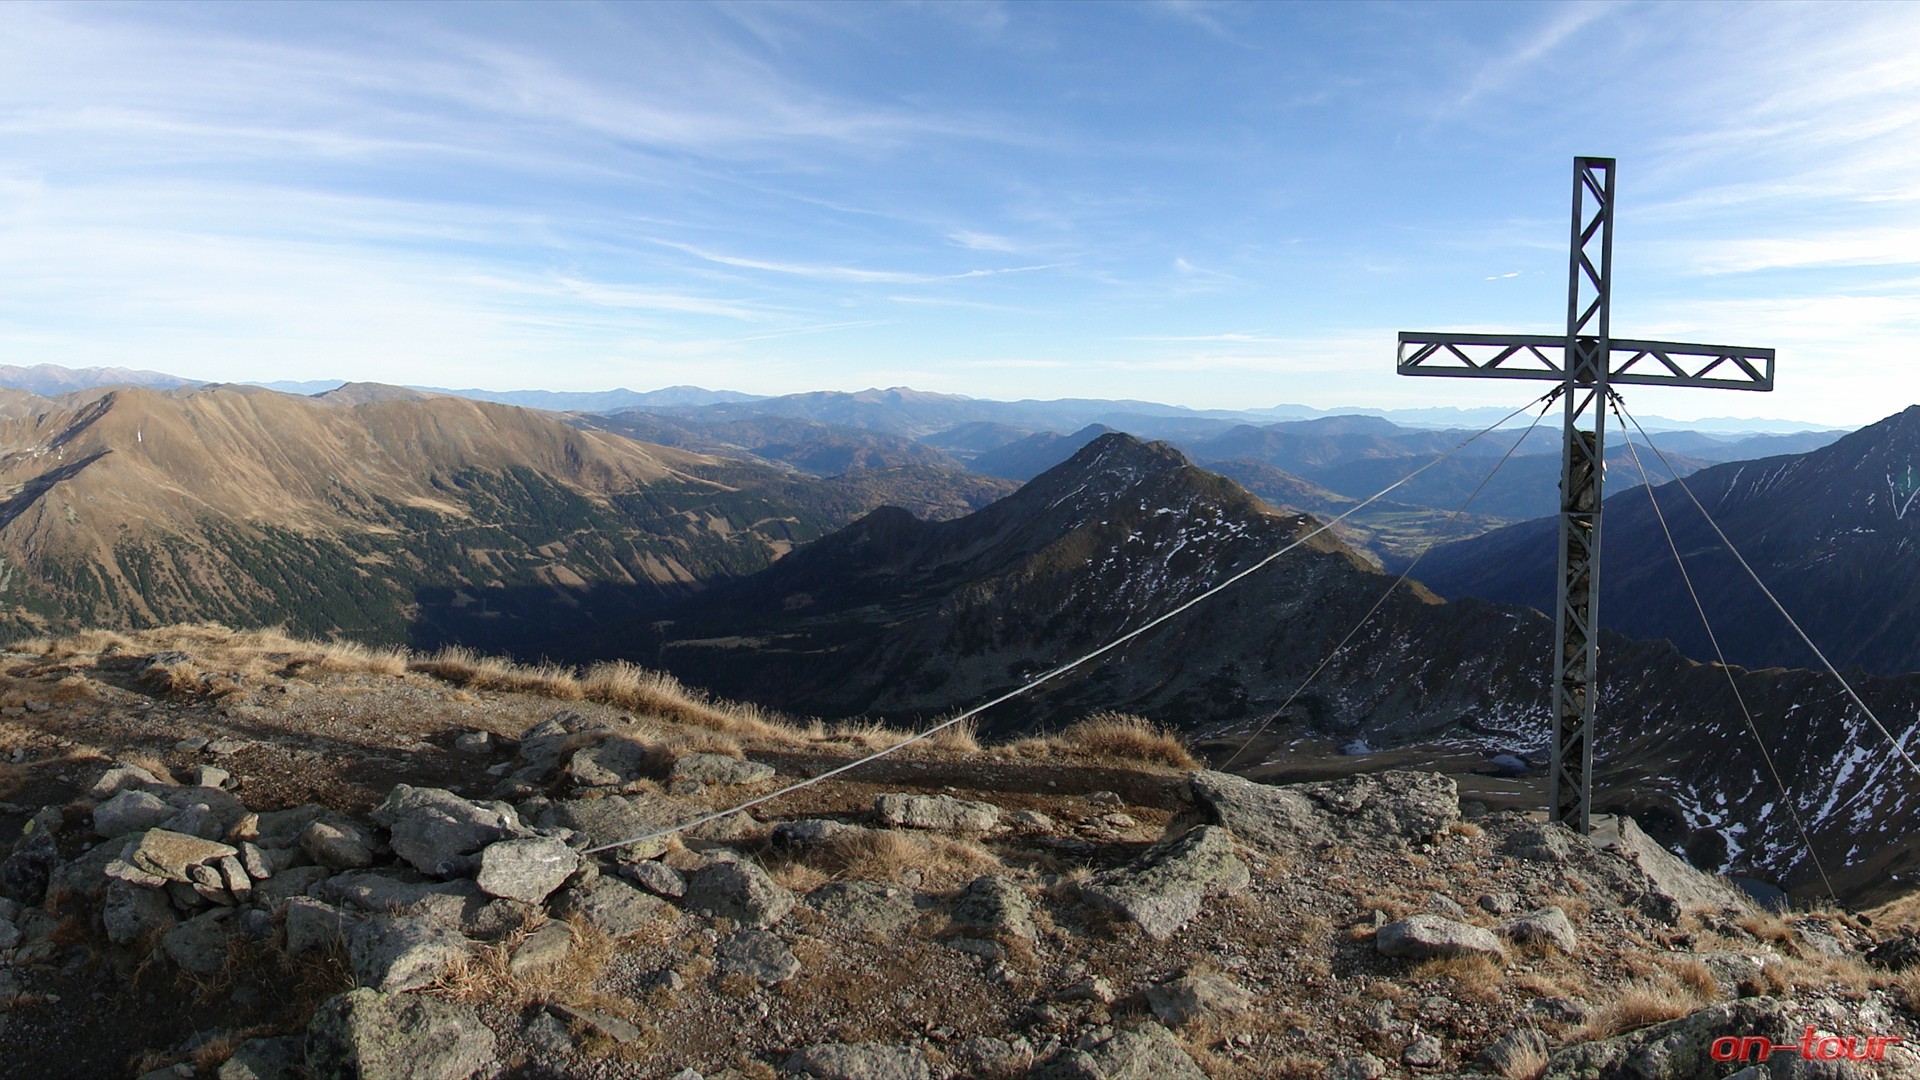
(1543, 356)
(1584, 361)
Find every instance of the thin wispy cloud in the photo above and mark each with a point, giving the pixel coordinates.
(995, 198)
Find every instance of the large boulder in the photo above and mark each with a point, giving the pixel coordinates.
(525, 870)
(393, 953)
(339, 843)
(1428, 937)
(995, 907)
(440, 833)
(938, 812)
(132, 810)
(617, 760)
(613, 819)
(1149, 1052)
(133, 913)
(1164, 888)
(200, 944)
(740, 891)
(866, 907)
(367, 1035)
(719, 769)
(859, 1061)
(609, 905)
(1672, 886)
(1387, 807)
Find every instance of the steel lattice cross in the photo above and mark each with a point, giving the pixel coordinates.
(1584, 361)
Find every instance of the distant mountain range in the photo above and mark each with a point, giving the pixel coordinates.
(1835, 532)
(385, 514)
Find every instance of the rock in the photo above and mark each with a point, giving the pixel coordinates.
(740, 891)
(525, 870)
(1498, 903)
(287, 884)
(196, 819)
(132, 810)
(170, 855)
(1442, 904)
(226, 746)
(1032, 821)
(1425, 937)
(234, 877)
(1194, 997)
(865, 907)
(609, 905)
(1559, 1010)
(1144, 1053)
(25, 873)
(1511, 1053)
(282, 828)
(617, 760)
(210, 776)
(1673, 886)
(1398, 807)
(612, 1027)
(812, 832)
(338, 844)
(858, 1061)
(996, 906)
(392, 953)
(1677, 1048)
(1547, 926)
(986, 1056)
(265, 1059)
(118, 778)
(132, 913)
(758, 955)
(367, 1035)
(719, 769)
(940, 812)
(474, 742)
(438, 832)
(1422, 1053)
(1361, 1066)
(1509, 765)
(1095, 989)
(611, 820)
(1163, 889)
(1539, 841)
(546, 1032)
(656, 877)
(312, 924)
(200, 944)
(542, 950)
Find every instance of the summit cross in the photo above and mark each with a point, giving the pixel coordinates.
(1586, 361)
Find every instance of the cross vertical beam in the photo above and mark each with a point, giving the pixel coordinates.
(1576, 646)
(1586, 362)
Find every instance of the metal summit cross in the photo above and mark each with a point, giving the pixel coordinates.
(1586, 361)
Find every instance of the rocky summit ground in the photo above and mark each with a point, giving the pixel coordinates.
(238, 855)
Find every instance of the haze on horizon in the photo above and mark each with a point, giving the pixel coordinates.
(1219, 206)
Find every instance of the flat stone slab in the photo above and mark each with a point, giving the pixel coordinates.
(1164, 888)
(943, 813)
(170, 855)
(1427, 937)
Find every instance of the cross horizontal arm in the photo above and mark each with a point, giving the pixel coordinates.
(1543, 356)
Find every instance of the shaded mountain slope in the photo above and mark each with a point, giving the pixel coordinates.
(898, 617)
(1833, 532)
(396, 518)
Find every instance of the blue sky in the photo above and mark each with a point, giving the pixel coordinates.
(1210, 205)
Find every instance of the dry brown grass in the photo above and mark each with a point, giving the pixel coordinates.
(464, 667)
(151, 762)
(1474, 977)
(1117, 738)
(961, 738)
(353, 658)
(1528, 1063)
(885, 854)
(656, 693)
(1466, 830)
(1641, 1004)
